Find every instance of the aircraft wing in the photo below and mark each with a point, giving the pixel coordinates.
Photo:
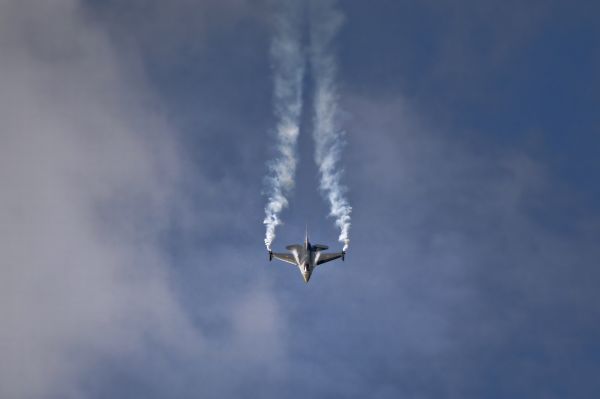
(289, 258)
(323, 258)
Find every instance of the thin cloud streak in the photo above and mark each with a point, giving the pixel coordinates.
(288, 64)
(325, 23)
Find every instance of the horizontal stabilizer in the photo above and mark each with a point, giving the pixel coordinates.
(320, 247)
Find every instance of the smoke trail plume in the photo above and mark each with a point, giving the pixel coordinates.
(325, 22)
(288, 65)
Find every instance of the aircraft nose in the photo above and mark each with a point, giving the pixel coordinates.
(306, 277)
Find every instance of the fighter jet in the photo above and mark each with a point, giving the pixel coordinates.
(306, 256)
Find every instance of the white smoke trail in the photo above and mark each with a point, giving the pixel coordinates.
(288, 67)
(325, 22)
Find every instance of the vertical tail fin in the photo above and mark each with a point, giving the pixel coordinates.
(306, 237)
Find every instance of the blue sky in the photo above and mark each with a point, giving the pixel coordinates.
(135, 139)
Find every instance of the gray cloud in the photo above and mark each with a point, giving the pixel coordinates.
(90, 172)
(87, 173)
(168, 30)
